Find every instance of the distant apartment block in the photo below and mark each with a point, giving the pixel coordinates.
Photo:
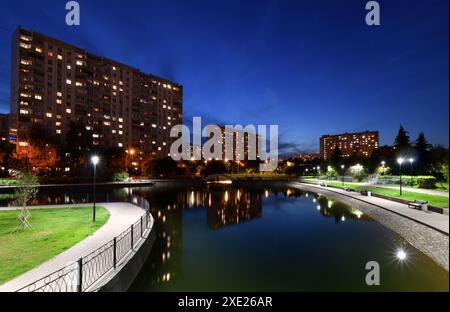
(360, 144)
(306, 156)
(242, 144)
(54, 83)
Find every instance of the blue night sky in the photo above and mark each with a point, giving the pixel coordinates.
(312, 67)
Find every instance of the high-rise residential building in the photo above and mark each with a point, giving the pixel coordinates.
(54, 83)
(4, 127)
(361, 144)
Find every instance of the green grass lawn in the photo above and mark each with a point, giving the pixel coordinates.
(434, 200)
(54, 231)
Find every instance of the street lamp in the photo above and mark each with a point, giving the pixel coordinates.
(94, 160)
(342, 167)
(400, 161)
(318, 173)
(411, 160)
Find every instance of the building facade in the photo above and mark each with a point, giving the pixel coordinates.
(361, 144)
(54, 84)
(4, 127)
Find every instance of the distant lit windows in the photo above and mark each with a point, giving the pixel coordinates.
(60, 57)
(69, 82)
(49, 115)
(23, 144)
(26, 62)
(69, 67)
(119, 144)
(24, 112)
(58, 101)
(50, 54)
(39, 50)
(59, 94)
(58, 131)
(79, 63)
(79, 84)
(38, 97)
(68, 111)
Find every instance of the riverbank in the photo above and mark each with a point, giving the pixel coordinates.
(121, 216)
(432, 239)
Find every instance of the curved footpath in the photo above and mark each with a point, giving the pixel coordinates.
(122, 215)
(426, 231)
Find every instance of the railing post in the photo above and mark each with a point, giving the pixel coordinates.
(132, 243)
(115, 252)
(80, 275)
(142, 229)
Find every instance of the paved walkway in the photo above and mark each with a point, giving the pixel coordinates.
(430, 219)
(122, 215)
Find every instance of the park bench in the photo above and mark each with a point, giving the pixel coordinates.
(349, 189)
(365, 192)
(323, 184)
(419, 204)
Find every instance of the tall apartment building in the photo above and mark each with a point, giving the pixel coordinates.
(361, 144)
(54, 83)
(4, 127)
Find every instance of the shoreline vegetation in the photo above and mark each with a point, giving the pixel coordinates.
(54, 231)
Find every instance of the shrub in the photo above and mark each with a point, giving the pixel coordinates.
(120, 176)
(426, 182)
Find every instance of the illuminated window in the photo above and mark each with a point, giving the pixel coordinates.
(25, 38)
(78, 84)
(38, 50)
(50, 54)
(25, 45)
(24, 112)
(58, 131)
(59, 94)
(38, 97)
(58, 101)
(68, 81)
(23, 143)
(25, 62)
(49, 115)
(69, 67)
(60, 57)
(120, 144)
(79, 63)
(68, 110)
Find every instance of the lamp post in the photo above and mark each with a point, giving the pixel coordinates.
(94, 160)
(400, 160)
(318, 173)
(411, 160)
(342, 167)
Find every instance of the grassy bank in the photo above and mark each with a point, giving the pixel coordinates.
(434, 200)
(54, 231)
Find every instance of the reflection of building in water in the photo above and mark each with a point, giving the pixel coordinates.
(232, 206)
(165, 258)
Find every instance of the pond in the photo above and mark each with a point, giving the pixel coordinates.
(265, 237)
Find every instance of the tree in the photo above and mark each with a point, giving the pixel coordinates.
(26, 191)
(163, 167)
(423, 155)
(336, 158)
(214, 167)
(38, 159)
(402, 142)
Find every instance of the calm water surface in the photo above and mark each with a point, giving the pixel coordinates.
(265, 238)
